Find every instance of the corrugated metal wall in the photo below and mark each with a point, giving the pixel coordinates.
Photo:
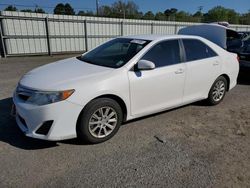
(25, 33)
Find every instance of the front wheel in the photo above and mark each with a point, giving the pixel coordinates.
(99, 121)
(217, 91)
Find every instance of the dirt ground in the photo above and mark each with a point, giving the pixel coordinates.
(192, 146)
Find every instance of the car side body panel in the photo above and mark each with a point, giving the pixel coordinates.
(200, 75)
(154, 90)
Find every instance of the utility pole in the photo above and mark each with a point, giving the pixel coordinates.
(200, 8)
(97, 7)
(124, 13)
(124, 10)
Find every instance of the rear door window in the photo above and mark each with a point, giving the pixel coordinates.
(196, 50)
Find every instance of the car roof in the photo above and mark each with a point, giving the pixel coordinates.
(159, 37)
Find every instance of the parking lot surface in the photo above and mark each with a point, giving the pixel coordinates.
(192, 146)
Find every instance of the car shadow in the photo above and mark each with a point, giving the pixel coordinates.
(11, 134)
(156, 114)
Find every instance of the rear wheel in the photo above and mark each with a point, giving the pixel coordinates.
(217, 91)
(100, 120)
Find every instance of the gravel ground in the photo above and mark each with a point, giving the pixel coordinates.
(192, 146)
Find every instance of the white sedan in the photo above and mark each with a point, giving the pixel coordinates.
(128, 77)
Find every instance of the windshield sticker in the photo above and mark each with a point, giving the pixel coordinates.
(119, 63)
(136, 41)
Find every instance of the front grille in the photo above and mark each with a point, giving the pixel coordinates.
(45, 127)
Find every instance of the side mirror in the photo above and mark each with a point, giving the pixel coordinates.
(145, 65)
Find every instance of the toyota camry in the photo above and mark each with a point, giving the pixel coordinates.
(90, 96)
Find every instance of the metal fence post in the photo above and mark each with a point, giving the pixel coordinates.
(175, 29)
(47, 35)
(152, 28)
(86, 35)
(2, 42)
(122, 28)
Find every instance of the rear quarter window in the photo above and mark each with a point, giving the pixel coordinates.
(197, 50)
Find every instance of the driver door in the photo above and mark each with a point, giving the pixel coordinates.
(161, 88)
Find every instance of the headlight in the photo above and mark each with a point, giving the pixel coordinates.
(43, 98)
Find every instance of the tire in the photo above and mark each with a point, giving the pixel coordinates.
(99, 121)
(217, 91)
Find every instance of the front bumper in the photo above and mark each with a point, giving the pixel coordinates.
(63, 114)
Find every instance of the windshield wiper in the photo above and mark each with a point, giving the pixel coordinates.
(85, 60)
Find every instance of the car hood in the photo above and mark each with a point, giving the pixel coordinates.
(62, 74)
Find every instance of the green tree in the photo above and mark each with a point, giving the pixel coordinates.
(87, 13)
(105, 11)
(121, 9)
(160, 16)
(39, 10)
(10, 8)
(171, 13)
(68, 9)
(216, 14)
(131, 9)
(59, 9)
(139, 15)
(220, 13)
(81, 13)
(183, 16)
(198, 16)
(27, 10)
(233, 17)
(245, 19)
(64, 9)
(149, 15)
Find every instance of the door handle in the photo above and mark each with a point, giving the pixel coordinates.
(179, 71)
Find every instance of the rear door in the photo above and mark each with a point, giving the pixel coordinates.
(203, 67)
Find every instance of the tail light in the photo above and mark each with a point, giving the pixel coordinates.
(238, 58)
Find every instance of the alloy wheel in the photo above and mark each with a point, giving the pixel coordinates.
(218, 90)
(102, 122)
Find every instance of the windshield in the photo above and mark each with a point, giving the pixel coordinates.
(114, 53)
